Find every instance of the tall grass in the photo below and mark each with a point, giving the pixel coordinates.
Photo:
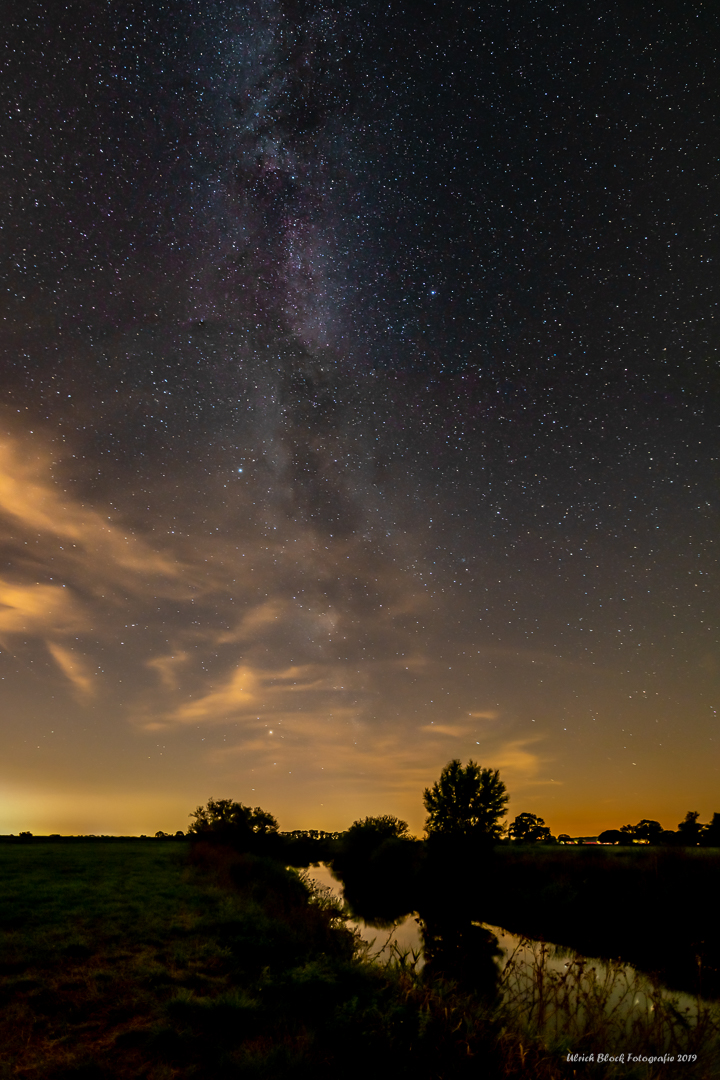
(589, 1008)
(551, 1022)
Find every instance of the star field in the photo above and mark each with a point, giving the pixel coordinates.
(360, 406)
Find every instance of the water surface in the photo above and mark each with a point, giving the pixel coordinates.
(524, 961)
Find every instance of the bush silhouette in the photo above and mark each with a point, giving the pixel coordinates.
(241, 827)
(528, 829)
(378, 863)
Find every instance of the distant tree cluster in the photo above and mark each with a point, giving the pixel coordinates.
(311, 834)
(530, 829)
(690, 833)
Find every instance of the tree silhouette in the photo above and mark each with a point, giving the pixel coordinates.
(613, 836)
(528, 829)
(710, 836)
(371, 831)
(466, 802)
(230, 822)
(690, 829)
(378, 861)
(648, 830)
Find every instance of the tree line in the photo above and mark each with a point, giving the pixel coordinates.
(691, 832)
(466, 803)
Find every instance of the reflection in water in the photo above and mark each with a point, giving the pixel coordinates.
(465, 952)
(555, 987)
(567, 999)
(460, 950)
(404, 937)
(530, 974)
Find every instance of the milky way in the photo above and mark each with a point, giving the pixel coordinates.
(359, 411)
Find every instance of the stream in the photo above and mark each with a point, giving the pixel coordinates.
(525, 963)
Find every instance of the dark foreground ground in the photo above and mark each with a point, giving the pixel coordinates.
(120, 960)
(145, 960)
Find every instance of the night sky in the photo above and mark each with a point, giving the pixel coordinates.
(360, 409)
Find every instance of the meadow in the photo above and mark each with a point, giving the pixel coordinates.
(152, 959)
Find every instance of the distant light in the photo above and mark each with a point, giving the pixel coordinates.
(239, 470)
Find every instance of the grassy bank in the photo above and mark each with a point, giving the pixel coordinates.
(127, 961)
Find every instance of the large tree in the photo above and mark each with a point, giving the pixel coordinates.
(466, 802)
(377, 861)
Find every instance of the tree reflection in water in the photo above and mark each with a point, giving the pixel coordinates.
(464, 952)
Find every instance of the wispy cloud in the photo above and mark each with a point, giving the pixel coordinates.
(74, 668)
(257, 620)
(28, 496)
(169, 668)
(246, 691)
(37, 609)
(454, 730)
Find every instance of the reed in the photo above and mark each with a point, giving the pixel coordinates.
(590, 1009)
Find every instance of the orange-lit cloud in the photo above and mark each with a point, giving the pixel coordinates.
(35, 503)
(169, 668)
(455, 730)
(73, 667)
(37, 609)
(245, 691)
(255, 621)
(239, 694)
(515, 756)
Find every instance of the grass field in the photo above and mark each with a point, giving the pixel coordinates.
(129, 961)
(95, 937)
(120, 960)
